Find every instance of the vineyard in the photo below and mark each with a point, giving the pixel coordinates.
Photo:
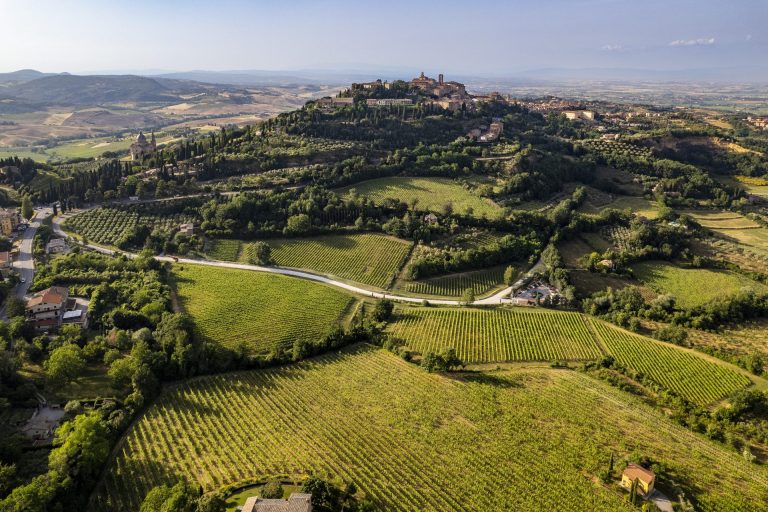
(480, 281)
(363, 258)
(686, 283)
(224, 249)
(480, 335)
(414, 441)
(108, 225)
(429, 193)
(690, 376)
(615, 147)
(255, 311)
(618, 235)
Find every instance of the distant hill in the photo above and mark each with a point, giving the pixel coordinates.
(99, 89)
(258, 77)
(22, 75)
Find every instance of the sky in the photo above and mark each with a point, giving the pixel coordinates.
(492, 37)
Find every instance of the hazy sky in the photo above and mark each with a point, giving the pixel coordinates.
(483, 37)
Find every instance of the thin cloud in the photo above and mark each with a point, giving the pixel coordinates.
(693, 42)
(612, 47)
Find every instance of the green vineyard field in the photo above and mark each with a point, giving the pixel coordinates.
(689, 375)
(414, 441)
(480, 335)
(108, 225)
(255, 310)
(363, 258)
(224, 249)
(480, 281)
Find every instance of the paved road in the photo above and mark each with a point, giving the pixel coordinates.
(25, 263)
(495, 299)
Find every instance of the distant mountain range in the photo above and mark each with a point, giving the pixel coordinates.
(27, 89)
(32, 88)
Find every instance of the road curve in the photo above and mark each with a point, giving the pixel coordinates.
(495, 299)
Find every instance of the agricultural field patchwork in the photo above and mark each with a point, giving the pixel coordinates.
(414, 441)
(431, 193)
(481, 335)
(481, 281)
(686, 284)
(689, 375)
(108, 226)
(721, 220)
(258, 312)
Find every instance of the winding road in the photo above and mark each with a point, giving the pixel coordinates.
(492, 300)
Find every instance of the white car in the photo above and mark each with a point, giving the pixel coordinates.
(23, 280)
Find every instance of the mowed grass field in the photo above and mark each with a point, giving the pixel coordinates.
(637, 204)
(734, 228)
(363, 258)
(518, 334)
(716, 220)
(431, 193)
(692, 287)
(414, 441)
(257, 311)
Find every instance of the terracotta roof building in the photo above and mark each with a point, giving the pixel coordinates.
(46, 308)
(645, 479)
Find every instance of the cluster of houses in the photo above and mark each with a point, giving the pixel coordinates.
(49, 309)
(489, 133)
(536, 292)
(448, 95)
(758, 122)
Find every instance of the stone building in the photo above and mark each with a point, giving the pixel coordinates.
(142, 147)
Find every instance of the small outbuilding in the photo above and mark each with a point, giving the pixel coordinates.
(297, 502)
(187, 229)
(645, 479)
